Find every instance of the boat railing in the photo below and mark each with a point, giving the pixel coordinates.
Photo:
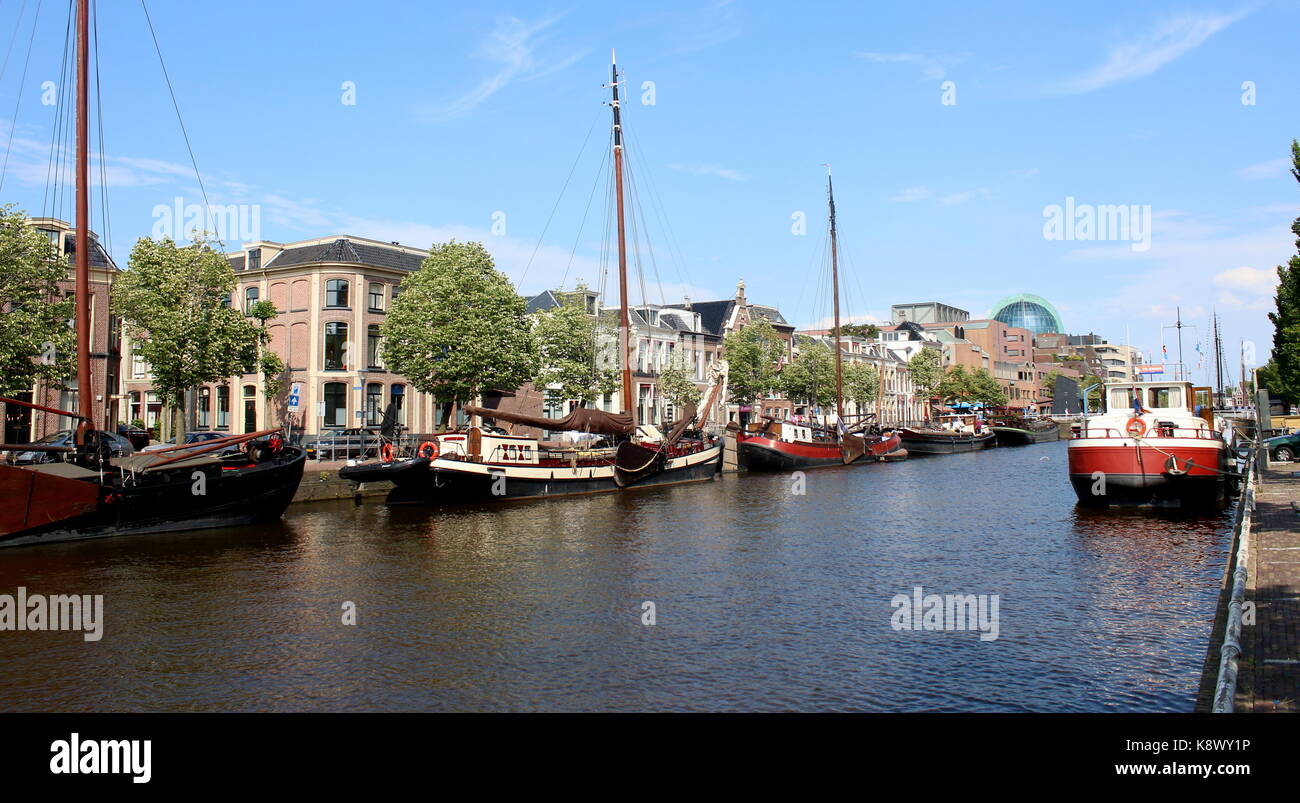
(1158, 431)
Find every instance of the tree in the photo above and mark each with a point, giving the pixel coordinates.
(1282, 376)
(956, 385)
(458, 328)
(268, 362)
(569, 346)
(926, 371)
(810, 378)
(676, 384)
(753, 354)
(868, 330)
(174, 302)
(985, 388)
(861, 383)
(36, 341)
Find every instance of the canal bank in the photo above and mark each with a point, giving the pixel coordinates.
(1254, 661)
(321, 483)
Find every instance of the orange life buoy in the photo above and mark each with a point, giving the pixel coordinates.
(428, 449)
(1136, 427)
(386, 453)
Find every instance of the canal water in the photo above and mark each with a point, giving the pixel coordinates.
(763, 599)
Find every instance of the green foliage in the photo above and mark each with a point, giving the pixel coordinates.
(810, 378)
(861, 383)
(458, 327)
(36, 341)
(868, 330)
(269, 363)
(676, 384)
(569, 345)
(1282, 376)
(173, 303)
(960, 385)
(926, 371)
(753, 354)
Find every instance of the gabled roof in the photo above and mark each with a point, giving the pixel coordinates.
(542, 301)
(713, 314)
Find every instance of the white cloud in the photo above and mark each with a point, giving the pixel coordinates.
(1247, 287)
(710, 170)
(963, 197)
(513, 45)
(912, 194)
(933, 67)
(1139, 58)
(1269, 169)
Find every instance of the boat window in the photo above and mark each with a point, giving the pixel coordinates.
(1121, 399)
(1167, 398)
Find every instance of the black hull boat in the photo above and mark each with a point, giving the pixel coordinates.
(55, 502)
(933, 441)
(1025, 435)
(452, 481)
(765, 452)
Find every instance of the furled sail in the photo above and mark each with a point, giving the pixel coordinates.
(582, 419)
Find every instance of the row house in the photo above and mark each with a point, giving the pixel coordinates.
(24, 425)
(897, 401)
(331, 295)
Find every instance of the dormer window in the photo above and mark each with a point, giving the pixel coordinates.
(254, 258)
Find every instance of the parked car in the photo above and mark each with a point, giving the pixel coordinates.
(344, 444)
(1283, 447)
(197, 438)
(118, 447)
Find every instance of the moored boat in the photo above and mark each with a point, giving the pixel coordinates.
(923, 441)
(1022, 432)
(1149, 448)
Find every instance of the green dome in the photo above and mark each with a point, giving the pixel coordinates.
(1028, 311)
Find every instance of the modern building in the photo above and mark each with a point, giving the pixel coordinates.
(1028, 311)
(24, 425)
(925, 312)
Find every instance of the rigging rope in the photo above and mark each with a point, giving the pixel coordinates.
(158, 48)
(556, 206)
(13, 121)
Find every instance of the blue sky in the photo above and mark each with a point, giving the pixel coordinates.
(463, 111)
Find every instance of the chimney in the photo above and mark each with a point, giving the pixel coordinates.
(740, 291)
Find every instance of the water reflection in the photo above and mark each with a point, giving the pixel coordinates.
(765, 600)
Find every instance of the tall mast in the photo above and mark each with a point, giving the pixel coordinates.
(1178, 324)
(835, 291)
(85, 392)
(624, 325)
(1218, 363)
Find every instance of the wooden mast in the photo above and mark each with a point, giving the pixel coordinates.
(85, 391)
(624, 324)
(835, 290)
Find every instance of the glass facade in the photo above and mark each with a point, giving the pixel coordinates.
(1028, 312)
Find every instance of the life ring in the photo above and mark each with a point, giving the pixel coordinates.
(428, 449)
(386, 453)
(275, 442)
(1172, 469)
(1136, 427)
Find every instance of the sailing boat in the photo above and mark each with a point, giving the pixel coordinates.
(91, 494)
(780, 445)
(481, 465)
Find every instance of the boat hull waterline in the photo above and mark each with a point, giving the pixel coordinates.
(759, 453)
(443, 481)
(1105, 472)
(166, 501)
(918, 442)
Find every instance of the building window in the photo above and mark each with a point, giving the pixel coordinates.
(254, 258)
(336, 293)
(372, 346)
(139, 368)
(250, 408)
(376, 297)
(250, 298)
(397, 395)
(336, 404)
(204, 407)
(336, 346)
(223, 407)
(374, 401)
(397, 288)
(68, 397)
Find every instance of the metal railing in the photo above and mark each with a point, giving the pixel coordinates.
(1202, 433)
(1225, 690)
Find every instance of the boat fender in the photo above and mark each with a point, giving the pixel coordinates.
(428, 449)
(1136, 427)
(386, 453)
(1172, 468)
(276, 443)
